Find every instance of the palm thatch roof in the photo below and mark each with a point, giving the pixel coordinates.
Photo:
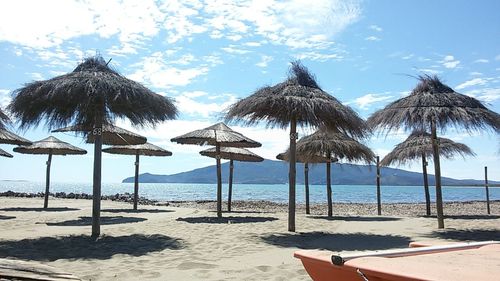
(5, 153)
(111, 135)
(50, 145)
(93, 91)
(146, 149)
(219, 133)
(432, 101)
(420, 143)
(233, 153)
(8, 137)
(298, 97)
(333, 143)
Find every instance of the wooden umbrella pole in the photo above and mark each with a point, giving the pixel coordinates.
(219, 181)
(230, 190)
(329, 188)
(306, 183)
(47, 182)
(426, 185)
(437, 169)
(379, 200)
(136, 180)
(96, 188)
(291, 175)
(487, 190)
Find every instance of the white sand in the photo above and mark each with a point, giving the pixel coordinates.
(175, 243)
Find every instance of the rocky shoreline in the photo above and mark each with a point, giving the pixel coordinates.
(468, 208)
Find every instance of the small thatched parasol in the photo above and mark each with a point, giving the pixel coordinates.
(111, 135)
(310, 159)
(50, 146)
(92, 95)
(146, 149)
(430, 106)
(419, 145)
(5, 153)
(232, 153)
(332, 144)
(297, 101)
(219, 135)
(8, 137)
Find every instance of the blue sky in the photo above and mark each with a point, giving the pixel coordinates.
(208, 54)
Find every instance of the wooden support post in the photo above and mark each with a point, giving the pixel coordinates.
(47, 182)
(487, 190)
(136, 180)
(426, 185)
(230, 191)
(379, 200)
(219, 181)
(306, 183)
(291, 175)
(437, 175)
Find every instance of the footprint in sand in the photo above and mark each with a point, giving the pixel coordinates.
(195, 265)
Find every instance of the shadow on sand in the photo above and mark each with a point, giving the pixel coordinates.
(85, 221)
(20, 209)
(355, 218)
(132, 211)
(226, 220)
(6, 217)
(85, 247)
(337, 242)
(468, 234)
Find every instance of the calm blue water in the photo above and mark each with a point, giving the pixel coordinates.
(271, 192)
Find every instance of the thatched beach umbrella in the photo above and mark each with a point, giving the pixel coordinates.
(5, 153)
(232, 153)
(50, 146)
(430, 106)
(219, 135)
(297, 101)
(91, 96)
(314, 159)
(146, 149)
(333, 144)
(8, 137)
(417, 146)
(111, 135)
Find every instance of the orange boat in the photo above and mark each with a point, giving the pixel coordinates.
(459, 261)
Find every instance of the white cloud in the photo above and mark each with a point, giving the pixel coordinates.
(475, 73)
(375, 27)
(450, 62)
(36, 76)
(264, 60)
(497, 57)
(429, 70)
(481, 61)
(4, 98)
(487, 95)
(407, 57)
(472, 82)
(188, 103)
(316, 56)
(154, 71)
(372, 38)
(366, 101)
(234, 50)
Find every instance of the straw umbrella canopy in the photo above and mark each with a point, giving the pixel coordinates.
(219, 135)
(50, 146)
(8, 137)
(430, 106)
(146, 149)
(332, 144)
(5, 153)
(92, 95)
(232, 153)
(111, 135)
(311, 159)
(417, 146)
(298, 100)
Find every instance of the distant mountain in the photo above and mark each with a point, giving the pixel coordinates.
(276, 172)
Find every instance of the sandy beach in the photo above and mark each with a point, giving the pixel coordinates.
(185, 241)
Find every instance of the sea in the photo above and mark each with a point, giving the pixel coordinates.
(270, 192)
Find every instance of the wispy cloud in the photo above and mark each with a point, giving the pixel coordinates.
(264, 60)
(232, 49)
(191, 104)
(487, 95)
(450, 62)
(472, 82)
(375, 27)
(481, 61)
(366, 101)
(372, 38)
